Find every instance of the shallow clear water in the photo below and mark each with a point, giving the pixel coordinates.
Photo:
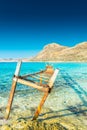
(70, 87)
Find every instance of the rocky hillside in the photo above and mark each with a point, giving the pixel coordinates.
(56, 52)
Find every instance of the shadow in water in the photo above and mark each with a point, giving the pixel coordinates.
(76, 87)
(69, 111)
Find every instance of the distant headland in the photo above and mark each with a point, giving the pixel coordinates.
(57, 53)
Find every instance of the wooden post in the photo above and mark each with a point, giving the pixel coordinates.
(12, 90)
(40, 106)
(50, 84)
(52, 79)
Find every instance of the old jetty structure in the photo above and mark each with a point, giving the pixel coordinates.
(42, 81)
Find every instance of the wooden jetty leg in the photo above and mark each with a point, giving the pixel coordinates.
(10, 99)
(40, 106)
(12, 90)
(52, 79)
(50, 84)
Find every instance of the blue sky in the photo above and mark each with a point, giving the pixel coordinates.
(27, 25)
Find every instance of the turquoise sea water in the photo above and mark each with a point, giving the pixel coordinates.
(70, 86)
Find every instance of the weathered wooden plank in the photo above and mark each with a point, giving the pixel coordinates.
(26, 75)
(33, 76)
(30, 84)
(18, 68)
(12, 91)
(10, 99)
(52, 79)
(46, 75)
(37, 112)
(43, 76)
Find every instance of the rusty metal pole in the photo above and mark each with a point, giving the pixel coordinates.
(13, 90)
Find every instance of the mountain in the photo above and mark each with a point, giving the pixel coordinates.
(56, 52)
